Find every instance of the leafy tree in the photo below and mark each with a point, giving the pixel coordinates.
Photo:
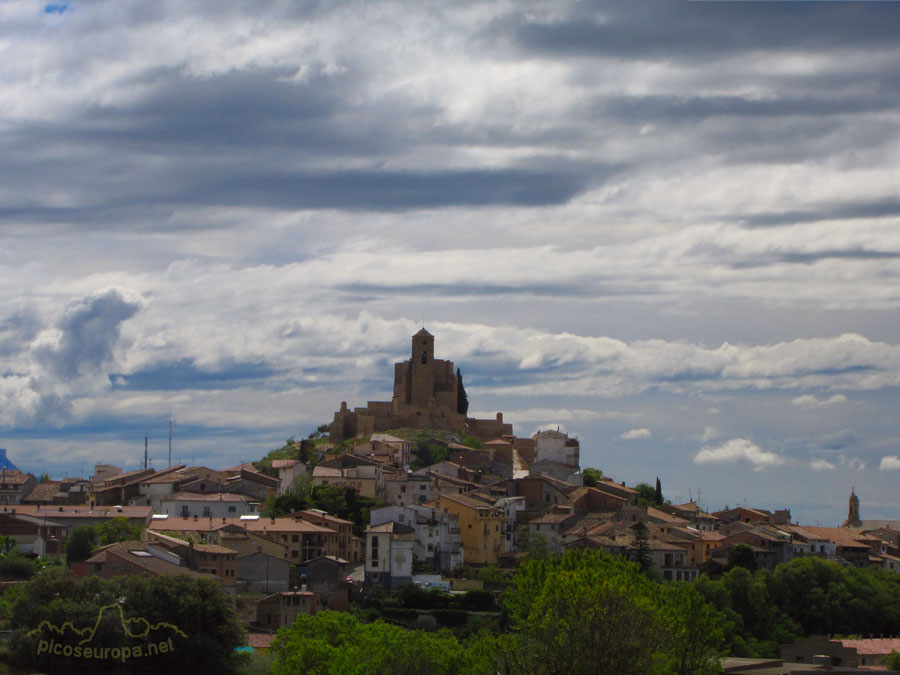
(337, 643)
(117, 529)
(532, 543)
(427, 452)
(80, 544)
(205, 640)
(646, 494)
(825, 597)
(471, 442)
(16, 566)
(742, 556)
(44, 478)
(892, 660)
(591, 477)
(7, 543)
(585, 612)
(696, 629)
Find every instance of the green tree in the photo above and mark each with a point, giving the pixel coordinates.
(742, 556)
(646, 494)
(337, 643)
(205, 640)
(80, 544)
(657, 494)
(44, 477)
(892, 660)
(591, 477)
(585, 612)
(117, 529)
(532, 543)
(640, 547)
(7, 543)
(696, 629)
(462, 400)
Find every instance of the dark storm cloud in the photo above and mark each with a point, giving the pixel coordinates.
(17, 330)
(695, 108)
(665, 28)
(880, 208)
(397, 190)
(89, 331)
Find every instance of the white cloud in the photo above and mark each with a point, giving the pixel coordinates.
(889, 463)
(854, 463)
(709, 433)
(808, 401)
(634, 434)
(738, 450)
(822, 465)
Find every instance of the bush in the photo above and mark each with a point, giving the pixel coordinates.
(16, 566)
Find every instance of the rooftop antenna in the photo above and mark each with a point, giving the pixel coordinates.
(170, 419)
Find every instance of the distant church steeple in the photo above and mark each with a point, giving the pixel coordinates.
(853, 512)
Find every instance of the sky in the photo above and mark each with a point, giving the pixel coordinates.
(669, 228)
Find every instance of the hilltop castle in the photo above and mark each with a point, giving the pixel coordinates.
(427, 395)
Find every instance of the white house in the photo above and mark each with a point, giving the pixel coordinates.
(216, 505)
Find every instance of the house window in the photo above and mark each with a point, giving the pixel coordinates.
(232, 509)
(424, 356)
(207, 512)
(295, 538)
(184, 511)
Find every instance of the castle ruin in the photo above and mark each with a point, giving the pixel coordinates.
(426, 396)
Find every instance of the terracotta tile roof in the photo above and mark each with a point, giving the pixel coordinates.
(667, 517)
(207, 497)
(167, 475)
(255, 525)
(873, 646)
(844, 537)
(213, 548)
(14, 477)
(466, 501)
(237, 468)
(314, 513)
(260, 640)
(284, 463)
(43, 492)
(78, 511)
(391, 527)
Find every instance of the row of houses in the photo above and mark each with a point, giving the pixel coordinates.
(510, 516)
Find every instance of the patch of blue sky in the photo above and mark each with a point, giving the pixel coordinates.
(55, 9)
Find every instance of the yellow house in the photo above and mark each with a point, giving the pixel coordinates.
(480, 527)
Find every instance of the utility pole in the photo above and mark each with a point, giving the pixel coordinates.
(170, 419)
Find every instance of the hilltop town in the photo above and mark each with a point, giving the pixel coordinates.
(405, 491)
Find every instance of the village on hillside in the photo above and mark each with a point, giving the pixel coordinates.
(426, 493)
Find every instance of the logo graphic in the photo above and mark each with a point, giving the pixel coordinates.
(61, 638)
